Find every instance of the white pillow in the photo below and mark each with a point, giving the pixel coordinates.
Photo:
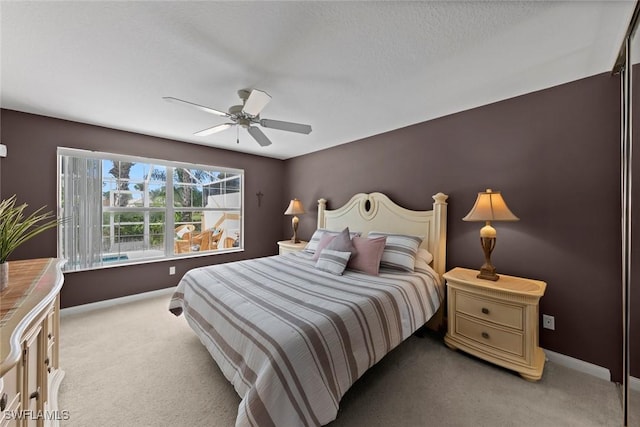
(423, 262)
(399, 251)
(424, 255)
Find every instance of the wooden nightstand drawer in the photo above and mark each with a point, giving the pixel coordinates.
(503, 340)
(492, 311)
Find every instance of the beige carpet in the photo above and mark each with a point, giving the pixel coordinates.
(138, 365)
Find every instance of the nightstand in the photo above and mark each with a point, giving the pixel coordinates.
(286, 246)
(496, 321)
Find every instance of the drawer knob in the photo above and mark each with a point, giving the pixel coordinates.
(485, 310)
(35, 394)
(50, 335)
(46, 361)
(485, 335)
(3, 401)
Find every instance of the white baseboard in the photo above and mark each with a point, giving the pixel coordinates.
(586, 367)
(578, 365)
(115, 301)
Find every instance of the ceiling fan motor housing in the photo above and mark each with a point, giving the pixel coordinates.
(239, 116)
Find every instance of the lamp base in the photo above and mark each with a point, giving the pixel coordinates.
(488, 272)
(294, 225)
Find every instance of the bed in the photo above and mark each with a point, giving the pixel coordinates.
(292, 338)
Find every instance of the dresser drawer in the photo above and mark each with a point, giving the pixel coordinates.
(492, 311)
(480, 332)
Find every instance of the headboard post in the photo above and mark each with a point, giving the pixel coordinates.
(322, 206)
(439, 232)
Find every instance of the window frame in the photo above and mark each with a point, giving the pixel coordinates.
(169, 209)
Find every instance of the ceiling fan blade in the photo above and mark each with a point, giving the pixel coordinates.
(256, 102)
(260, 137)
(215, 129)
(200, 107)
(288, 126)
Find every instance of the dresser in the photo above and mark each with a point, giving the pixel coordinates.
(496, 321)
(29, 336)
(286, 246)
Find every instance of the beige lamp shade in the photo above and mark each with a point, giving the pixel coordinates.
(490, 206)
(295, 208)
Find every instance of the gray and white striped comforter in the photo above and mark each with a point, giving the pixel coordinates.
(292, 339)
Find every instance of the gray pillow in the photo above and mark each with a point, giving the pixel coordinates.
(342, 242)
(333, 262)
(312, 246)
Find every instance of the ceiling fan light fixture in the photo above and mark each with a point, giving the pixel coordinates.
(244, 122)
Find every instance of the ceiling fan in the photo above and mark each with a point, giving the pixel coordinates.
(247, 116)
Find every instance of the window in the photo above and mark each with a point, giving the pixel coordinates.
(119, 211)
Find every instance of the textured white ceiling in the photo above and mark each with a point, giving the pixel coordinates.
(349, 69)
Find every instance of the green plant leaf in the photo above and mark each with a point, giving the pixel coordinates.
(15, 228)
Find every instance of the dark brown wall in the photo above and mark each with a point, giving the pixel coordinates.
(554, 154)
(30, 172)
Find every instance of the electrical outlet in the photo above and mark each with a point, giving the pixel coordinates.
(548, 322)
(172, 271)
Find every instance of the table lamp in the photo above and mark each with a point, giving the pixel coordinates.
(489, 206)
(295, 208)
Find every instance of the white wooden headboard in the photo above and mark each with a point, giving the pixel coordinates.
(376, 212)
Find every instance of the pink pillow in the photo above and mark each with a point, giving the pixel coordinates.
(324, 241)
(368, 255)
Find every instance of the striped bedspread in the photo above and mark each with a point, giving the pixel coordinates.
(292, 339)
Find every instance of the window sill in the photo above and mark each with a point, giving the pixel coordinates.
(162, 259)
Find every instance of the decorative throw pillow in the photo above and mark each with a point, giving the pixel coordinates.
(324, 241)
(312, 246)
(400, 250)
(368, 254)
(333, 262)
(342, 242)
